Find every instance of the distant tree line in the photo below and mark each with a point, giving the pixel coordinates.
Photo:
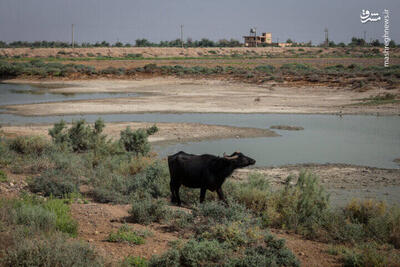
(138, 43)
(204, 42)
(361, 42)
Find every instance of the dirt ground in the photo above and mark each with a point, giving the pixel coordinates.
(96, 221)
(168, 132)
(190, 95)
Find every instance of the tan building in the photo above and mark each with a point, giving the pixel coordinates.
(284, 44)
(251, 41)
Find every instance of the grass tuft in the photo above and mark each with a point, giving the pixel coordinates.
(125, 234)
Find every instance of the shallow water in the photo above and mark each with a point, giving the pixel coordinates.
(388, 194)
(360, 140)
(12, 94)
(353, 139)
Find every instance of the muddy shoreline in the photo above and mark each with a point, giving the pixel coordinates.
(344, 182)
(169, 133)
(173, 95)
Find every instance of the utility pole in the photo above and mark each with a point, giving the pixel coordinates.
(365, 37)
(72, 37)
(326, 37)
(182, 35)
(255, 35)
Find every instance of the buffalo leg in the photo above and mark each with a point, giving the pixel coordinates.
(173, 196)
(176, 191)
(221, 194)
(202, 194)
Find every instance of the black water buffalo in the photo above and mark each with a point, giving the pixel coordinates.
(203, 171)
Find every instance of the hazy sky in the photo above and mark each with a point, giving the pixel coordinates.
(128, 20)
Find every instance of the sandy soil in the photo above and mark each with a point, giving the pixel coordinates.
(188, 95)
(168, 132)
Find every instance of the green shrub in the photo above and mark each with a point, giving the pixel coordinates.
(272, 253)
(3, 177)
(219, 212)
(7, 156)
(54, 183)
(112, 70)
(38, 214)
(292, 67)
(214, 253)
(134, 262)
(364, 211)
(136, 141)
(134, 56)
(35, 145)
(125, 234)
(365, 255)
(80, 136)
(354, 67)
(254, 193)
(153, 180)
(265, 68)
(8, 69)
(150, 68)
(147, 210)
(334, 227)
(54, 251)
(58, 133)
(103, 194)
(234, 234)
(35, 216)
(64, 222)
(299, 207)
(193, 253)
(337, 68)
(39, 68)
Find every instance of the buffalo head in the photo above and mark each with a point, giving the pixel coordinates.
(240, 160)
